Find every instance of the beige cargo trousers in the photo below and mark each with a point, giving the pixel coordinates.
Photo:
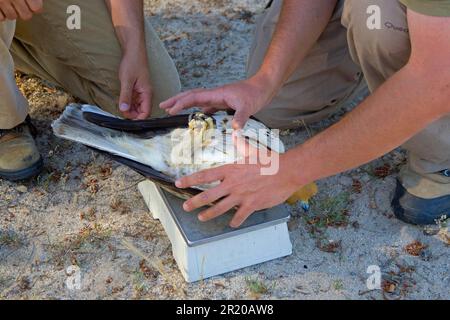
(333, 73)
(85, 62)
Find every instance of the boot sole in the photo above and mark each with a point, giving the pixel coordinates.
(24, 174)
(418, 211)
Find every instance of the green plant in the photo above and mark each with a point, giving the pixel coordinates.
(338, 285)
(256, 287)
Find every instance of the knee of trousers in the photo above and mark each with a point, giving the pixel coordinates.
(430, 149)
(378, 37)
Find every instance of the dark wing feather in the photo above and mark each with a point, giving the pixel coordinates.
(157, 177)
(137, 126)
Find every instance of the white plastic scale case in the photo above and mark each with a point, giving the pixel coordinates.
(203, 250)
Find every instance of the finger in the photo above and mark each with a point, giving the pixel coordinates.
(170, 102)
(22, 9)
(9, 12)
(145, 107)
(185, 101)
(126, 96)
(133, 113)
(202, 177)
(202, 98)
(240, 119)
(219, 209)
(241, 215)
(205, 198)
(35, 5)
(2, 16)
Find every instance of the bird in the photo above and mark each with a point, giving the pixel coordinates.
(166, 149)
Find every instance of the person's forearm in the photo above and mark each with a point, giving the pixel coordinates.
(128, 21)
(407, 103)
(299, 27)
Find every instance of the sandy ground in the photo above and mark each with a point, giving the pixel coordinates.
(82, 207)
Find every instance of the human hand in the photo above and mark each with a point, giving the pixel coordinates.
(19, 9)
(245, 97)
(242, 186)
(136, 90)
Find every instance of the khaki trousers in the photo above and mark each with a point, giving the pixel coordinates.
(84, 62)
(331, 74)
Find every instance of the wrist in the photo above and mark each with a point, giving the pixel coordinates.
(294, 169)
(134, 48)
(135, 57)
(268, 81)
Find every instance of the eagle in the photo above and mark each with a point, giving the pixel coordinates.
(165, 149)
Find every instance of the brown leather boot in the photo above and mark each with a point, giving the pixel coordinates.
(422, 199)
(19, 157)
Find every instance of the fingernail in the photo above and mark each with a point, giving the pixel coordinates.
(124, 107)
(186, 207)
(178, 184)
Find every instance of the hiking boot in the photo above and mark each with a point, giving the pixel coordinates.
(422, 199)
(19, 157)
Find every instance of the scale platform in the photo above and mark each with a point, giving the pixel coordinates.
(207, 249)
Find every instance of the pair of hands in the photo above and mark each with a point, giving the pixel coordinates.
(242, 186)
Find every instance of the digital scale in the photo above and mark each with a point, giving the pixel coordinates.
(207, 249)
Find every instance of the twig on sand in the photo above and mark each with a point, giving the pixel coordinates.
(155, 263)
(362, 293)
(130, 186)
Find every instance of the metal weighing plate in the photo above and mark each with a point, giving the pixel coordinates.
(197, 233)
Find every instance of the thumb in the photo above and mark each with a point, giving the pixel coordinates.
(240, 119)
(126, 94)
